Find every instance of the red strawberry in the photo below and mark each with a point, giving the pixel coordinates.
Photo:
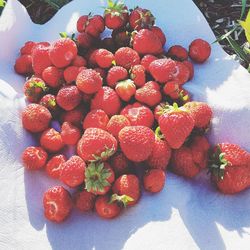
(34, 158)
(177, 52)
(23, 65)
(68, 97)
(176, 125)
(116, 74)
(52, 76)
(90, 55)
(96, 118)
(49, 101)
(102, 72)
(136, 142)
(70, 74)
(125, 89)
(82, 23)
(70, 134)
(96, 143)
(158, 31)
(36, 118)
(182, 73)
(104, 58)
(99, 177)
(116, 123)
(74, 116)
(54, 166)
(149, 94)
(51, 140)
(121, 38)
(85, 40)
(138, 115)
(57, 204)
(154, 180)
(89, 81)
(126, 57)
(229, 168)
(159, 109)
(146, 60)
(84, 201)
(137, 74)
(107, 100)
(147, 42)
(201, 113)
(79, 61)
(120, 164)
(172, 89)
(199, 50)
(190, 67)
(27, 48)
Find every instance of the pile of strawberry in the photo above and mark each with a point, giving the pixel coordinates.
(119, 103)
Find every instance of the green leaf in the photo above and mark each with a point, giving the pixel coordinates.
(225, 35)
(2, 3)
(243, 8)
(56, 4)
(63, 34)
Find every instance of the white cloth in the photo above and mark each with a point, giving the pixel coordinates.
(186, 214)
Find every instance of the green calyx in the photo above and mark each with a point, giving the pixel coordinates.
(158, 134)
(41, 85)
(123, 199)
(96, 176)
(104, 154)
(116, 8)
(164, 108)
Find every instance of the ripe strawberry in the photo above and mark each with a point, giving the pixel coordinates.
(57, 204)
(82, 23)
(34, 158)
(70, 73)
(104, 58)
(70, 134)
(52, 76)
(154, 180)
(141, 19)
(99, 177)
(229, 168)
(138, 115)
(49, 102)
(158, 31)
(115, 15)
(159, 109)
(116, 74)
(62, 52)
(68, 97)
(146, 60)
(107, 100)
(54, 166)
(177, 52)
(136, 142)
(121, 38)
(126, 57)
(96, 143)
(190, 67)
(96, 118)
(147, 42)
(85, 40)
(91, 57)
(128, 185)
(125, 89)
(120, 164)
(74, 116)
(176, 125)
(172, 89)
(23, 65)
(163, 70)
(79, 61)
(36, 118)
(149, 94)
(51, 140)
(182, 73)
(105, 208)
(201, 113)
(73, 171)
(89, 81)
(199, 50)
(102, 72)
(27, 48)
(84, 200)
(137, 74)
(116, 123)
(34, 88)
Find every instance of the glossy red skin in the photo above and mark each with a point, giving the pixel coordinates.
(116, 123)
(34, 158)
(95, 26)
(116, 74)
(70, 73)
(146, 60)
(57, 204)
(137, 74)
(79, 61)
(27, 48)
(120, 164)
(104, 58)
(85, 40)
(199, 50)
(70, 133)
(172, 89)
(82, 23)
(102, 72)
(158, 31)
(74, 116)
(96, 118)
(54, 166)
(177, 52)
(182, 74)
(190, 67)
(154, 180)
(114, 21)
(126, 57)
(23, 65)
(52, 76)
(48, 101)
(84, 201)
(125, 90)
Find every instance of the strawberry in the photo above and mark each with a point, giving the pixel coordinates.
(62, 52)
(147, 42)
(105, 208)
(177, 52)
(116, 123)
(176, 125)
(85, 40)
(116, 74)
(90, 55)
(49, 101)
(172, 89)
(27, 48)
(96, 143)
(36, 118)
(70, 134)
(149, 94)
(146, 60)
(23, 65)
(201, 113)
(74, 116)
(57, 204)
(89, 81)
(125, 89)
(82, 23)
(182, 73)
(138, 115)
(115, 15)
(141, 19)
(52, 76)
(79, 61)
(199, 50)
(99, 177)
(96, 118)
(136, 142)
(121, 38)
(120, 164)
(159, 109)
(34, 88)
(84, 200)
(126, 57)
(154, 180)
(51, 140)
(128, 185)
(229, 168)
(104, 58)
(107, 100)
(137, 74)
(158, 31)
(73, 171)
(70, 73)
(68, 97)
(190, 67)
(54, 166)
(34, 158)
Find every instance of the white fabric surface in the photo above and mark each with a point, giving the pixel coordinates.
(186, 214)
